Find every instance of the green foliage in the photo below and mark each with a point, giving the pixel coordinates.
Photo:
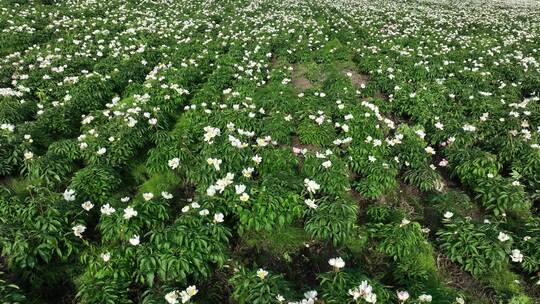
(95, 183)
(333, 221)
(10, 293)
(476, 247)
(500, 196)
(250, 288)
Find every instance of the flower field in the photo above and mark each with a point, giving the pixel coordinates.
(269, 151)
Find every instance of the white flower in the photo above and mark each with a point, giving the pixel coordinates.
(240, 188)
(425, 298)
(87, 205)
(337, 263)
(192, 290)
(211, 133)
(134, 240)
(244, 197)
(166, 195)
(404, 222)
(280, 298)
(106, 256)
(503, 237)
(28, 155)
(78, 230)
(69, 195)
(365, 291)
(172, 297)
(469, 128)
(107, 209)
(148, 196)
(460, 300)
(219, 218)
(174, 163)
(211, 190)
(129, 212)
(204, 212)
(312, 294)
(261, 273)
(185, 209)
(247, 172)
(448, 215)
(516, 256)
(311, 203)
(311, 185)
(403, 296)
(430, 150)
(327, 164)
(214, 162)
(371, 298)
(257, 159)
(101, 151)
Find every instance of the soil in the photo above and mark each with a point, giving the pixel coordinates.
(456, 277)
(300, 80)
(357, 79)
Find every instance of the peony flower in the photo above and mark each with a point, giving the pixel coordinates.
(107, 209)
(192, 290)
(311, 186)
(403, 296)
(261, 273)
(106, 256)
(78, 230)
(371, 298)
(404, 222)
(134, 240)
(503, 237)
(69, 195)
(337, 263)
(101, 151)
(28, 155)
(240, 188)
(174, 163)
(244, 197)
(87, 205)
(129, 212)
(210, 134)
(327, 164)
(214, 162)
(257, 159)
(443, 163)
(172, 297)
(516, 256)
(247, 172)
(425, 298)
(219, 218)
(312, 294)
(148, 196)
(311, 203)
(166, 195)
